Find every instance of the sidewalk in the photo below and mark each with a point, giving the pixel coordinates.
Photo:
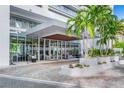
(19, 82)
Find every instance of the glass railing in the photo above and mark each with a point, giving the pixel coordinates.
(63, 9)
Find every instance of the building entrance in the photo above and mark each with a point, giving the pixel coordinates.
(22, 48)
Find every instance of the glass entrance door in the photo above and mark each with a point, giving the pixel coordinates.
(53, 50)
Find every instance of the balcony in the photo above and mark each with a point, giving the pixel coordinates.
(63, 10)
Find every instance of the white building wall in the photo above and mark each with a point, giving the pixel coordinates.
(43, 11)
(4, 35)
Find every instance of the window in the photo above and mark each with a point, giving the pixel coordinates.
(21, 23)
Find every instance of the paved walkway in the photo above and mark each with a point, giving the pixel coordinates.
(110, 78)
(19, 82)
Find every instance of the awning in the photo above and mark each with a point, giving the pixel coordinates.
(52, 30)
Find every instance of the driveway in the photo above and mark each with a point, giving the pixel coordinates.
(50, 72)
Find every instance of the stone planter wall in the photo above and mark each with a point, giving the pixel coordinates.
(92, 70)
(94, 60)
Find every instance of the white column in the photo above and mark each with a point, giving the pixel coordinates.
(65, 49)
(32, 45)
(61, 50)
(25, 48)
(70, 48)
(44, 49)
(38, 48)
(17, 47)
(57, 49)
(49, 49)
(4, 35)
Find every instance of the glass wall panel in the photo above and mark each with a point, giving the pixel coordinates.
(53, 49)
(17, 48)
(21, 23)
(41, 49)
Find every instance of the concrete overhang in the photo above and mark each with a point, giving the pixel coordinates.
(52, 30)
(28, 14)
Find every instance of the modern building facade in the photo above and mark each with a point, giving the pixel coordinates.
(37, 30)
(40, 31)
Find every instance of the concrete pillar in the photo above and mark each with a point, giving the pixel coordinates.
(38, 49)
(5, 35)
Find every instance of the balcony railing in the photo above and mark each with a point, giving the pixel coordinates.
(62, 10)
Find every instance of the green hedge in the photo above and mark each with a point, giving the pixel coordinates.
(97, 52)
(119, 45)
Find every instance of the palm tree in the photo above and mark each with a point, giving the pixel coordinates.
(77, 25)
(121, 27)
(96, 20)
(89, 19)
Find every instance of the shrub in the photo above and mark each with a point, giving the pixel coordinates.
(99, 63)
(86, 65)
(71, 66)
(119, 45)
(97, 52)
(104, 62)
(79, 65)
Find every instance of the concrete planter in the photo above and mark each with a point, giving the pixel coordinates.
(90, 61)
(104, 67)
(86, 71)
(115, 64)
(78, 72)
(94, 68)
(116, 58)
(94, 60)
(104, 59)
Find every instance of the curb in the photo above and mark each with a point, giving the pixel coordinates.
(59, 84)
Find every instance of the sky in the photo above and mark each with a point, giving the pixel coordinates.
(119, 11)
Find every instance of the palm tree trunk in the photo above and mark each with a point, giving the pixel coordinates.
(86, 46)
(83, 38)
(107, 46)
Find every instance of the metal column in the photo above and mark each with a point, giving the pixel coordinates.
(44, 49)
(61, 49)
(65, 49)
(49, 49)
(32, 45)
(57, 49)
(17, 46)
(38, 49)
(25, 48)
